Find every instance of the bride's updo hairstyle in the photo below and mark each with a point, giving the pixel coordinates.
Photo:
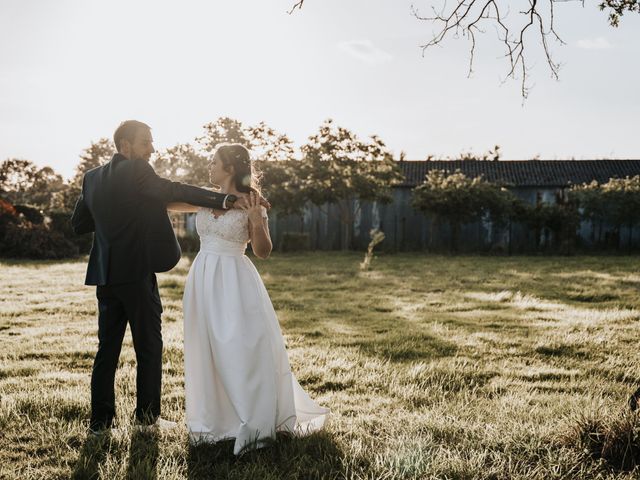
(235, 155)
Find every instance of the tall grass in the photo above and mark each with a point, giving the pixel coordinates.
(434, 367)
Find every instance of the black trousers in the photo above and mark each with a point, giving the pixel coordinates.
(139, 304)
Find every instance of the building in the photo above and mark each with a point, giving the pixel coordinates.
(534, 181)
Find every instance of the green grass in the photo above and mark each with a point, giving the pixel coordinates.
(433, 366)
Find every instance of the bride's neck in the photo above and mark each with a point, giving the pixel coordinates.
(228, 186)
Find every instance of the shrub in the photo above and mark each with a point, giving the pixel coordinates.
(21, 238)
(8, 213)
(60, 221)
(30, 214)
(295, 242)
(26, 240)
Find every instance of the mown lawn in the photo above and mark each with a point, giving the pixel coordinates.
(433, 366)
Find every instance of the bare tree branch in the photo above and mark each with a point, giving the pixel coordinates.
(465, 17)
(297, 5)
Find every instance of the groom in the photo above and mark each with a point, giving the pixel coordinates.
(124, 204)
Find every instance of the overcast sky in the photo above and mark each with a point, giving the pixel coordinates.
(71, 70)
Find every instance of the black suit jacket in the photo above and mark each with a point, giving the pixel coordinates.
(125, 204)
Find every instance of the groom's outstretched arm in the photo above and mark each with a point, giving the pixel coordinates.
(151, 185)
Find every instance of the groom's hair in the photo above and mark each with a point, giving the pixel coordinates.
(127, 131)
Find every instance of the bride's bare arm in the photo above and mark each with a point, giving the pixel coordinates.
(181, 207)
(258, 228)
(260, 238)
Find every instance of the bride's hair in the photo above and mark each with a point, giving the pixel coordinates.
(246, 178)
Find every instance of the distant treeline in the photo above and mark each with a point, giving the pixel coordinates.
(333, 168)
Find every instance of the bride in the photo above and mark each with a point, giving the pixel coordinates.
(238, 381)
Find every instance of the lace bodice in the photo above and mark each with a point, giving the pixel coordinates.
(232, 226)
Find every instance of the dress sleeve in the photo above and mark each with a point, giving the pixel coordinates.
(264, 212)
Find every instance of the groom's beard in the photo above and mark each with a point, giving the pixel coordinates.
(141, 157)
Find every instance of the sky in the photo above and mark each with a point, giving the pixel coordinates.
(72, 70)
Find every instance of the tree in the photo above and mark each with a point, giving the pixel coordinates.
(460, 199)
(279, 171)
(470, 17)
(223, 130)
(95, 155)
(491, 155)
(467, 18)
(617, 201)
(453, 196)
(23, 183)
(267, 144)
(182, 163)
(274, 155)
(282, 184)
(623, 197)
(263, 141)
(592, 207)
(560, 218)
(337, 168)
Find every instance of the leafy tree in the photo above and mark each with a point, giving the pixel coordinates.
(223, 130)
(623, 197)
(95, 155)
(491, 154)
(617, 8)
(274, 155)
(592, 207)
(24, 183)
(560, 218)
(280, 173)
(182, 163)
(617, 201)
(267, 144)
(460, 199)
(283, 185)
(337, 168)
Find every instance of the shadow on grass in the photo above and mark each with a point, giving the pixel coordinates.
(143, 455)
(612, 437)
(92, 454)
(316, 456)
(402, 344)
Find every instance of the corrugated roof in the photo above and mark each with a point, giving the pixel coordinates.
(529, 173)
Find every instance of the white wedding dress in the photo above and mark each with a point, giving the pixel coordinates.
(238, 382)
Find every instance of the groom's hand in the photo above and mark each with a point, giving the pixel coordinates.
(243, 202)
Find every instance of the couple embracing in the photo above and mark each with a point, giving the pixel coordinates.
(238, 381)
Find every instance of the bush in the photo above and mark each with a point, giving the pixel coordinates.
(60, 221)
(8, 213)
(26, 240)
(295, 242)
(31, 214)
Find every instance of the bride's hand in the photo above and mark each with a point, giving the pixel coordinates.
(254, 209)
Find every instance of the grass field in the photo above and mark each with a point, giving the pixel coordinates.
(434, 367)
